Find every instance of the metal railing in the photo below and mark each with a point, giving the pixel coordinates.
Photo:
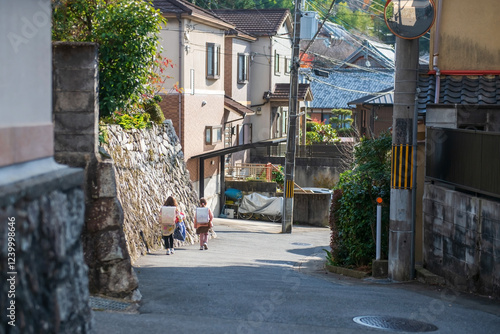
(308, 151)
(245, 171)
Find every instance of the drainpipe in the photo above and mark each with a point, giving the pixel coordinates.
(436, 53)
(181, 66)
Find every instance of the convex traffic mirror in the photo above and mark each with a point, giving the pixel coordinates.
(409, 19)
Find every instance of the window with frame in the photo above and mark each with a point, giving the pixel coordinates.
(243, 67)
(213, 134)
(213, 61)
(288, 65)
(276, 62)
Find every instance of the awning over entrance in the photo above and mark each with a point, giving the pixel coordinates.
(236, 107)
(227, 150)
(282, 92)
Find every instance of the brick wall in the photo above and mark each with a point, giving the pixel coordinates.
(170, 107)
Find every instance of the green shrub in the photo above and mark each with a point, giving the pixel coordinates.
(353, 209)
(153, 109)
(129, 121)
(320, 133)
(128, 33)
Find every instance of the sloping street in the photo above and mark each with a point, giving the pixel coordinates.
(254, 279)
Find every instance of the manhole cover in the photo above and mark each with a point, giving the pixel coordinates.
(395, 324)
(100, 304)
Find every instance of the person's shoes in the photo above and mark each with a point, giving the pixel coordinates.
(205, 245)
(201, 247)
(172, 251)
(168, 251)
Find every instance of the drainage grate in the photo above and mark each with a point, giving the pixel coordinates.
(102, 304)
(300, 244)
(395, 324)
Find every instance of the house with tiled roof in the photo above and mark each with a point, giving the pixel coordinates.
(370, 55)
(232, 67)
(336, 89)
(269, 59)
(205, 117)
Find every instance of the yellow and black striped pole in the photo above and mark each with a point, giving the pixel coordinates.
(289, 189)
(402, 167)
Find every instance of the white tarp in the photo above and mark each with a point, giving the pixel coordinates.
(257, 203)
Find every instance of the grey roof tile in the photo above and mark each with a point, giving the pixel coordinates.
(345, 85)
(459, 90)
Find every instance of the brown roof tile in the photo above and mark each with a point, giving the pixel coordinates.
(257, 22)
(237, 107)
(184, 7)
(282, 92)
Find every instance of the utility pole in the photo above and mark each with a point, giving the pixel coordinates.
(401, 229)
(287, 220)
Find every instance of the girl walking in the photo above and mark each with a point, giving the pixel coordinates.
(202, 228)
(179, 216)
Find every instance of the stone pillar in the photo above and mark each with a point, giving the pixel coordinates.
(76, 123)
(76, 104)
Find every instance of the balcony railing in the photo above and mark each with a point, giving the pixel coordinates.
(245, 171)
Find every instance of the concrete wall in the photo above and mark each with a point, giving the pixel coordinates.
(311, 209)
(26, 131)
(462, 239)
(470, 46)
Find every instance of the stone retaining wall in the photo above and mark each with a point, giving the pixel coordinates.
(149, 167)
(43, 216)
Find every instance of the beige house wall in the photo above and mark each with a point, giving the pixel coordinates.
(240, 92)
(184, 43)
(264, 77)
(468, 35)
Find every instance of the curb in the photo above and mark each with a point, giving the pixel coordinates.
(425, 276)
(346, 272)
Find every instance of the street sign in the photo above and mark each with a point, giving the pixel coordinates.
(409, 19)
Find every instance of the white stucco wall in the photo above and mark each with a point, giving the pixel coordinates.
(26, 56)
(240, 91)
(26, 130)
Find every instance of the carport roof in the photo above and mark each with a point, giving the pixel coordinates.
(237, 148)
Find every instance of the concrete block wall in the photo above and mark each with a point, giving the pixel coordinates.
(311, 209)
(462, 239)
(75, 93)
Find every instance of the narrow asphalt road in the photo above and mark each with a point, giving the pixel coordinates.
(254, 279)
